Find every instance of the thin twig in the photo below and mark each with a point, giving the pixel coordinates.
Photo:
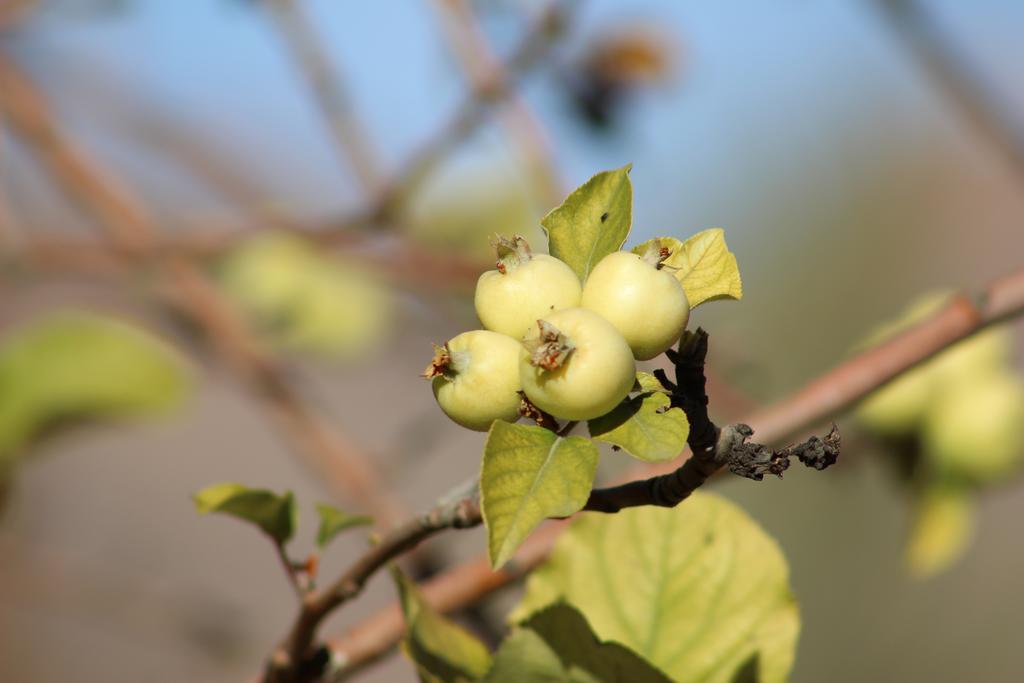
(819, 401)
(289, 568)
(325, 84)
(472, 113)
(296, 656)
(486, 74)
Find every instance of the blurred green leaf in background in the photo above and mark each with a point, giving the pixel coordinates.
(71, 366)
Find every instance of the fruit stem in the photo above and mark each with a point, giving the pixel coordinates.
(551, 349)
(512, 253)
(445, 363)
(655, 254)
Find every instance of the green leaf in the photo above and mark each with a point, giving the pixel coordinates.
(442, 651)
(302, 300)
(695, 590)
(645, 382)
(942, 530)
(79, 366)
(703, 264)
(557, 644)
(592, 222)
(528, 475)
(275, 514)
(644, 426)
(333, 521)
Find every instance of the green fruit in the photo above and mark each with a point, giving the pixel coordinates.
(973, 430)
(575, 365)
(898, 408)
(476, 379)
(524, 288)
(646, 305)
(303, 300)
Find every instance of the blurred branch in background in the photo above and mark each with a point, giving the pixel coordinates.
(534, 47)
(952, 71)
(131, 231)
(351, 139)
(820, 400)
(486, 74)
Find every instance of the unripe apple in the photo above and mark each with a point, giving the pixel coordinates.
(973, 430)
(646, 304)
(476, 379)
(575, 365)
(524, 288)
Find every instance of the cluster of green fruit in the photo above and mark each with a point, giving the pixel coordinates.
(966, 406)
(571, 349)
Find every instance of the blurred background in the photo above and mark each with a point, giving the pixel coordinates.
(261, 213)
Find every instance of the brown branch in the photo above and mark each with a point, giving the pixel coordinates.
(132, 232)
(298, 657)
(326, 86)
(819, 401)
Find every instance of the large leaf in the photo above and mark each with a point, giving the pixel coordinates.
(303, 300)
(703, 264)
(592, 222)
(942, 530)
(274, 513)
(72, 366)
(556, 644)
(696, 590)
(442, 651)
(643, 425)
(333, 521)
(528, 475)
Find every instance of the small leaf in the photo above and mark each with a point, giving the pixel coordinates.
(441, 650)
(275, 514)
(79, 366)
(696, 590)
(644, 427)
(943, 526)
(557, 644)
(333, 521)
(703, 264)
(592, 222)
(528, 475)
(303, 300)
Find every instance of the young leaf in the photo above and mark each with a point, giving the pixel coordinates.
(333, 521)
(592, 222)
(442, 651)
(644, 427)
(557, 644)
(528, 475)
(703, 264)
(695, 590)
(275, 514)
(74, 366)
(943, 526)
